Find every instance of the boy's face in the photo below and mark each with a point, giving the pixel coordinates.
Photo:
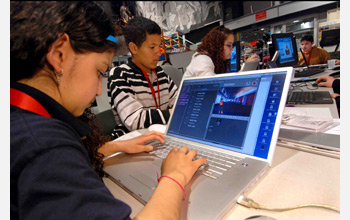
(306, 46)
(147, 55)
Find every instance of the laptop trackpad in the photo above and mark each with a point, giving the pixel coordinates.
(139, 177)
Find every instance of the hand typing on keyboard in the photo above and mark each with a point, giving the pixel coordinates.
(131, 146)
(215, 166)
(179, 164)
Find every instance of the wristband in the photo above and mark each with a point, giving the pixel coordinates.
(183, 189)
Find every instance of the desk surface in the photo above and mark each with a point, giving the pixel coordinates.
(307, 86)
(296, 178)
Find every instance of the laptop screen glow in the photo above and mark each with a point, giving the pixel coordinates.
(287, 53)
(235, 113)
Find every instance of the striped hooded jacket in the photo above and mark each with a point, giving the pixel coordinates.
(132, 101)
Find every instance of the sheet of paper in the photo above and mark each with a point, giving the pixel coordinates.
(315, 112)
(335, 129)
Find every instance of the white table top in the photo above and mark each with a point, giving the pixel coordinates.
(295, 178)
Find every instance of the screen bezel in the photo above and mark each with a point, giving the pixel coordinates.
(295, 52)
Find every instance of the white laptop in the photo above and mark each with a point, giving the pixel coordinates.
(238, 138)
(251, 65)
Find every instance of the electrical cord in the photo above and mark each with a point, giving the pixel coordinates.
(299, 86)
(247, 202)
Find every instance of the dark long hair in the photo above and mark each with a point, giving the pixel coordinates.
(36, 25)
(213, 46)
(94, 141)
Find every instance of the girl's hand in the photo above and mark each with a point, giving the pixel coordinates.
(179, 164)
(131, 146)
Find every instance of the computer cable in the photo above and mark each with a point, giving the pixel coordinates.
(249, 203)
(300, 85)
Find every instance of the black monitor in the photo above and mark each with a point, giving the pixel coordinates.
(286, 45)
(235, 60)
(330, 38)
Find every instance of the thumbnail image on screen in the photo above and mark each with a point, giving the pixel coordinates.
(236, 101)
(236, 104)
(229, 132)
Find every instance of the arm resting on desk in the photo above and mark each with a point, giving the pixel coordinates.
(131, 146)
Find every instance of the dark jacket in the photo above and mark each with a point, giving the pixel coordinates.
(51, 174)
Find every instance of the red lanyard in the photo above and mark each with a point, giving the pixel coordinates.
(26, 102)
(308, 60)
(151, 87)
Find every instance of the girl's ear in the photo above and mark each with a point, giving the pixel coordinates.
(58, 52)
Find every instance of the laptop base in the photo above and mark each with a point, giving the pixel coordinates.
(125, 169)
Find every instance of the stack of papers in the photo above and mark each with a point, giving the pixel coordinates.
(310, 119)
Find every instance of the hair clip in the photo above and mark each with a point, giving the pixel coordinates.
(112, 38)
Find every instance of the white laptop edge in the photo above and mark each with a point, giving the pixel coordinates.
(250, 65)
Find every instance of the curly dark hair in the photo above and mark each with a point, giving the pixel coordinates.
(213, 46)
(94, 141)
(136, 29)
(36, 25)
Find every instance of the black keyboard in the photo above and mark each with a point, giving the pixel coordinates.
(309, 97)
(308, 72)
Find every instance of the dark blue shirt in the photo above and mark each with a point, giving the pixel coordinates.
(51, 174)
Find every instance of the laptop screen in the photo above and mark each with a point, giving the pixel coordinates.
(235, 64)
(285, 43)
(285, 46)
(235, 113)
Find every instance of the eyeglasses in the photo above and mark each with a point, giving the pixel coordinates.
(230, 46)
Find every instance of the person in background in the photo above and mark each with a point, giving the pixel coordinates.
(125, 13)
(141, 93)
(313, 55)
(59, 52)
(213, 53)
(331, 82)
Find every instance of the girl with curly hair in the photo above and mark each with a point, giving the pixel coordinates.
(59, 53)
(212, 55)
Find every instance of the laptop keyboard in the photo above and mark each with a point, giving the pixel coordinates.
(309, 97)
(217, 163)
(308, 72)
